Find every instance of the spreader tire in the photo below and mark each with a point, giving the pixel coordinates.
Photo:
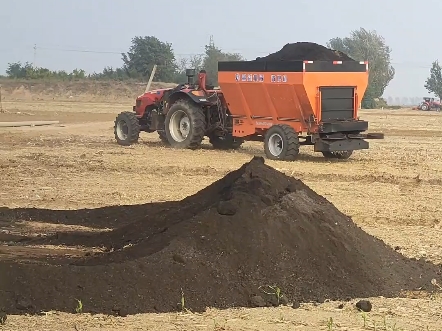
(342, 155)
(185, 125)
(126, 128)
(226, 143)
(281, 142)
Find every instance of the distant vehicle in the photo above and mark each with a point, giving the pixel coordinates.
(429, 104)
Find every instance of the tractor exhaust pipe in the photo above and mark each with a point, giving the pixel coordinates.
(190, 73)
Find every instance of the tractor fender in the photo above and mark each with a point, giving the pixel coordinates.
(181, 95)
(185, 95)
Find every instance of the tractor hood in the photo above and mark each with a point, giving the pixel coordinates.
(157, 92)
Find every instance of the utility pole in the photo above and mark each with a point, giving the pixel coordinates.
(211, 42)
(1, 103)
(35, 55)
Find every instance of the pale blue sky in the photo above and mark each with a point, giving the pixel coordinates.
(251, 27)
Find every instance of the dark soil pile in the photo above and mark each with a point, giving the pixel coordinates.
(305, 51)
(252, 228)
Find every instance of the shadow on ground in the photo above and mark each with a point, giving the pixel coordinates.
(316, 158)
(101, 218)
(252, 151)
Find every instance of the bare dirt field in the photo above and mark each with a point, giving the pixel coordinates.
(393, 191)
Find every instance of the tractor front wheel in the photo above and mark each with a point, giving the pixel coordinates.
(185, 125)
(127, 128)
(281, 142)
(163, 137)
(342, 155)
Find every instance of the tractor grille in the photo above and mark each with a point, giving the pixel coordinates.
(337, 103)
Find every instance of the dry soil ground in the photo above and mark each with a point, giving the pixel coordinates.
(393, 190)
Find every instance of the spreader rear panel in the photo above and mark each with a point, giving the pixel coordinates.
(337, 103)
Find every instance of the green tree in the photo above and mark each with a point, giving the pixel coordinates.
(433, 84)
(27, 71)
(111, 73)
(39, 73)
(194, 62)
(144, 53)
(364, 45)
(210, 63)
(18, 70)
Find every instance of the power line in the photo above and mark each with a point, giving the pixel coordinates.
(194, 54)
(79, 50)
(201, 54)
(100, 52)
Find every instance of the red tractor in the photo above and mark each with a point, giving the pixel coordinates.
(182, 116)
(429, 104)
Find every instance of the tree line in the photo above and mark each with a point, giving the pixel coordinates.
(145, 52)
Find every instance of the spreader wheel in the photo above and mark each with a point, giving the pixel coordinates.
(226, 143)
(126, 128)
(281, 142)
(338, 154)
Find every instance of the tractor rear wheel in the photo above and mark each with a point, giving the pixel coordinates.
(424, 107)
(185, 125)
(225, 143)
(281, 142)
(338, 155)
(127, 128)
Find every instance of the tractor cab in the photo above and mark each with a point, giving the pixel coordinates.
(429, 100)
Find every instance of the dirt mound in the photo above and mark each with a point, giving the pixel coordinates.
(252, 228)
(305, 51)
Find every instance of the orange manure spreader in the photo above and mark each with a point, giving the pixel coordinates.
(285, 104)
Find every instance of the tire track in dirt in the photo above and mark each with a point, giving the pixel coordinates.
(100, 164)
(382, 114)
(412, 133)
(368, 178)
